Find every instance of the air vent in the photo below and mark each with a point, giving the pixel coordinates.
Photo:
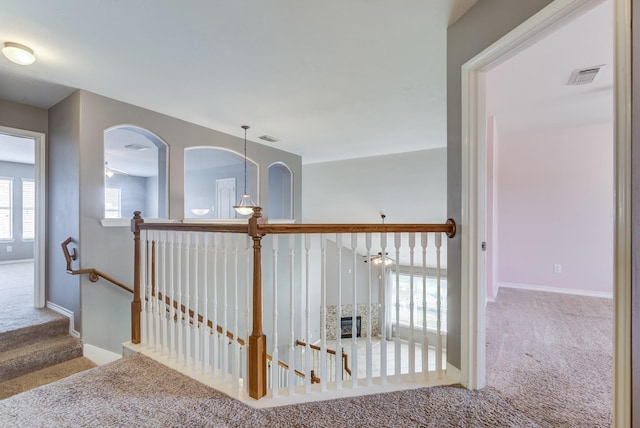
(269, 138)
(584, 76)
(136, 147)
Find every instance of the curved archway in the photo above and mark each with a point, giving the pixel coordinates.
(135, 162)
(280, 205)
(214, 182)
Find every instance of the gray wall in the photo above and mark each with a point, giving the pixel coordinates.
(21, 250)
(105, 316)
(635, 224)
(21, 116)
(63, 180)
(486, 22)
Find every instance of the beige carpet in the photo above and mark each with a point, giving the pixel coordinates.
(549, 366)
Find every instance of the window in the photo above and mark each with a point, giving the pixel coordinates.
(6, 207)
(28, 209)
(112, 202)
(431, 299)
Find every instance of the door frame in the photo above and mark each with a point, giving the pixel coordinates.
(473, 301)
(40, 164)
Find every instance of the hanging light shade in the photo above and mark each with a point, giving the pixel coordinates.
(246, 205)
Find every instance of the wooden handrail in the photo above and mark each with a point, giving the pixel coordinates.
(286, 366)
(94, 274)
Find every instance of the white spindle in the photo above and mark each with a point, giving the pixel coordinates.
(324, 374)
(274, 353)
(354, 316)
(425, 337)
(292, 313)
(196, 301)
(205, 306)
(398, 344)
(144, 287)
(156, 294)
(163, 279)
(187, 299)
(247, 307)
(214, 322)
(369, 287)
(307, 353)
(179, 286)
(172, 310)
(412, 339)
(235, 347)
(339, 367)
(439, 328)
(224, 348)
(383, 321)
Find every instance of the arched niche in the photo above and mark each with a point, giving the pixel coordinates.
(280, 192)
(214, 182)
(135, 173)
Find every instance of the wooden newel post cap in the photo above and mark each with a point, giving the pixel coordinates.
(136, 220)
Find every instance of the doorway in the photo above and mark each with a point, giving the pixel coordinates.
(22, 179)
(474, 170)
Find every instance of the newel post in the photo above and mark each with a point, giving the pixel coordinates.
(136, 305)
(257, 341)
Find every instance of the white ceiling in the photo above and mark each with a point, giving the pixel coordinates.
(332, 80)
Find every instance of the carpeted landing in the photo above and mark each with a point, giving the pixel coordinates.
(549, 365)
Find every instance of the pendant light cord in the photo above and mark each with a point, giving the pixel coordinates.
(245, 127)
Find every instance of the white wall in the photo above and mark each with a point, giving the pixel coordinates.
(407, 187)
(555, 206)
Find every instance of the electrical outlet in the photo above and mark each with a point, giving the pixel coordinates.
(557, 268)
(9, 248)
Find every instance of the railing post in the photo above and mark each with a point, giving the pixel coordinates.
(136, 305)
(257, 351)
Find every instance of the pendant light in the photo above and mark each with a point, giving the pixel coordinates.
(246, 205)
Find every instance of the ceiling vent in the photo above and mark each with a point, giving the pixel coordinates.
(269, 138)
(584, 76)
(137, 147)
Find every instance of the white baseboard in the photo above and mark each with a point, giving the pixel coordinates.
(67, 313)
(453, 372)
(547, 289)
(10, 262)
(98, 355)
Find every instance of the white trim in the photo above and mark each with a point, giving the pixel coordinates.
(547, 289)
(67, 313)
(98, 355)
(622, 233)
(9, 262)
(453, 372)
(39, 249)
(473, 169)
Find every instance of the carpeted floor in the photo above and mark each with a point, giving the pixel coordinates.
(549, 365)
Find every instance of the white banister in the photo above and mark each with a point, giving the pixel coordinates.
(398, 345)
(339, 368)
(412, 338)
(424, 241)
(369, 374)
(274, 352)
(354, 313)
(292, 314)
(324, 374)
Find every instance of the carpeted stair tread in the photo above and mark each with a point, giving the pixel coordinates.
(44, 376)
(45, 324)
(38, 355)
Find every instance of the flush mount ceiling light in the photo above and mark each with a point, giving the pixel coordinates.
(19, 54)
(246, 205)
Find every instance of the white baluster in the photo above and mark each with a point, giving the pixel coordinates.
(354, 317)
(187, 299)
(412, 339)
(383, 310)
(439, 328)
(205, 306)
(196, 302)
(292, 314)
(425, 338)
(214, 322)
(172, 309)
(307, 353)
(324, 374)
(235, 345)
(398, 345)
(155, 248)
(339, 367)
(179, 286)
(144, 287)
(274, 353)
(247, 306)
(224, 344)
(369, 298)
(163, 279)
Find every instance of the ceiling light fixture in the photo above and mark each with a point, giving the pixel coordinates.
(246, 205)
(19, 54)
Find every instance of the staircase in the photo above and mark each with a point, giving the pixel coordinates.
(40, 352)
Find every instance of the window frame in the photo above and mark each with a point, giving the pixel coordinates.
(25, 208)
